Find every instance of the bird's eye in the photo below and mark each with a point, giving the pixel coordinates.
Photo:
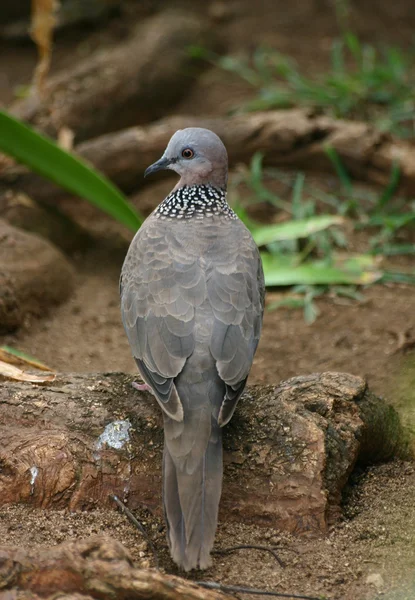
(188, 153)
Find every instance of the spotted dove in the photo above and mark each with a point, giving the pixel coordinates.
(192, 299)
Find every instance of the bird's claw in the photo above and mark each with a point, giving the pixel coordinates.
(142, 387)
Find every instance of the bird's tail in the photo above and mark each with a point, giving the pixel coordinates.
(192, 488)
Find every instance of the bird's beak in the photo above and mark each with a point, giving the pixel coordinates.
(163, 163)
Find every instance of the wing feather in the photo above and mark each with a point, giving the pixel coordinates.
(236, 291)
(165, 279)
(161, 286)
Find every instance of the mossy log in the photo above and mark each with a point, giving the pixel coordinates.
(289, 450)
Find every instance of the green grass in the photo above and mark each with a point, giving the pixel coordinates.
(362, 82)
(45, 157)
(306, 250)
(309, 248)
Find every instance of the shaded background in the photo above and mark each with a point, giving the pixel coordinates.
(372, 337)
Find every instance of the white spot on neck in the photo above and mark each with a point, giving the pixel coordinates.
(197, 201)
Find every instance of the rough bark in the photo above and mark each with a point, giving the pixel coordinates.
(132, 83)
(288, 450)
(98, 567)
(33, 276)
(289, 138)
(295, 138)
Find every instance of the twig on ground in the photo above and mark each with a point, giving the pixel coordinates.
(212, 585)
(251, 547)
(138, 525)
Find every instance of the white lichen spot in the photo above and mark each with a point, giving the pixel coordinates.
(34, 472)
(115, 435)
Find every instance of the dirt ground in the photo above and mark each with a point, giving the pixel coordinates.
(371, 552)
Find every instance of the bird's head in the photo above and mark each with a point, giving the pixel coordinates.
(197, 155)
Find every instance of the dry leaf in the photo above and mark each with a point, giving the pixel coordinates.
(41, 31)
(65, 138)
(11, 372)
(12, 357)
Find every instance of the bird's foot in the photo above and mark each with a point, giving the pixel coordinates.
(142, 387)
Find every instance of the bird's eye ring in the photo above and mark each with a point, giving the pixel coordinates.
(188, 153)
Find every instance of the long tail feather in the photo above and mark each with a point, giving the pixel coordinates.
(191, 494)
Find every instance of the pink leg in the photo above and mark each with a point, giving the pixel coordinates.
(142, 387)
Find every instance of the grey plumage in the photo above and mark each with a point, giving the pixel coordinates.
(192, 295)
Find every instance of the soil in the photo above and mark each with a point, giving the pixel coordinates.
(371, 552)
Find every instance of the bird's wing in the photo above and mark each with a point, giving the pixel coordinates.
(236, 292)
(161, 285)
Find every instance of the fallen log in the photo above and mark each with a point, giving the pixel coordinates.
(290, 138)
(134, 82)
(289, 450)
(98, 567)
(287, 138)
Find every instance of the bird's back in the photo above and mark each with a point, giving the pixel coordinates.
(192, 292)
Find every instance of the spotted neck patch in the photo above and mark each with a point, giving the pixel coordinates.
(196, 201)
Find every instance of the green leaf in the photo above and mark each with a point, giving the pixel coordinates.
(70, 172)
(283, 271)
(293, 230)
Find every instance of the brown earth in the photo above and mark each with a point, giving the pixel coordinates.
(376, 538)
(369, 554)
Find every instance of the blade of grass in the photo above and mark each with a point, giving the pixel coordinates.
(255, 181)
(287, 302)
(13, 356)
(398, 277)
(337, 58)
(297, 195)
(339, 168)
(390, 189)
(292, 230)
(256, 170)
(281, 272)
(391, 221)
(394, 249)
(46, 158)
